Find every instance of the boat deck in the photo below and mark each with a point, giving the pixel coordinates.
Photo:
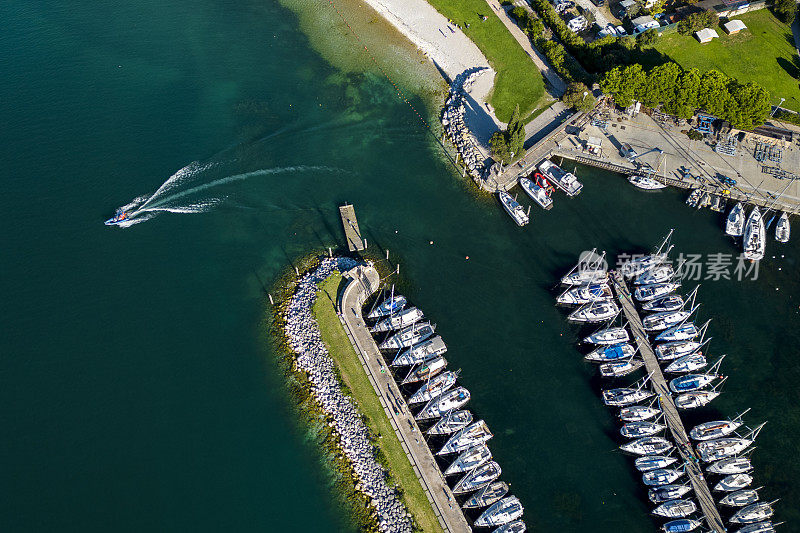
(671, 416)
(355, 243)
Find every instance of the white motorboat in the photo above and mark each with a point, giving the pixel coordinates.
(634, 430)
(402, 319)
(566, 181)
(670, 302)
(694, 198)
(656, 274)
(487, 495)
(625, 396)
(451, 422)
(646, 183)
(687, 363)
(665, 493)
(469, 459)
(478, 477)
(421, 352)
(732, 465)
(635, 413)
(434, 387)
(607, 336)
(583, 294)
(654, 462)
(661, 476)
(734, 224)
(390, 305)
(783, 230)
(472, 435)
(513, 208)
(594, 312)
(675, 508)
(648, 446)
(614, 352)
(409, 336)
(447, 401)
(716, 428)
(755, 512)
(538, 194)
(645, 293)
(506, 510)
(754, 239)
(733, 482)
(426, 370)
(740, 498)
(665, 319)
(619, 369)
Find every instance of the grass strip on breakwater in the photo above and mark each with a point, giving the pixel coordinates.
(360, 388)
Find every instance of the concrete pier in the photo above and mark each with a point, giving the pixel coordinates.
(355, 243)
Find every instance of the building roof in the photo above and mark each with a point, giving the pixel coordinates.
(734, 25)
(706, 34)
(643, 20)
(594, 141)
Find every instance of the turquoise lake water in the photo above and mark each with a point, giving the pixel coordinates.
(139, 391)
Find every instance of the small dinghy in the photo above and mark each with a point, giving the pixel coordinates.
(681, 525)
(469, 459)
(694, 198)
(687, 363)
(635, 413)
(478, 478)
(734, 482)
(675, 509)
(634, 430)
(740, 498)
(451, 422)
(596, 311)
(506, 510)
(487, 495)
(646, 183)
(782, 230)
(661, 476)
(645, 293)
(389, 306)
(656, 274)
(615, 335)
(434, 387)
(734, 224)
(446, 401)
(665, 493)
(399, 320)
(620, 368)
(426, 370)
(654, 462)
(732, 465)
(648, 446)
(625, 396)
(538, 194)
(670, 302)
(614, 352)
(409, 336)
(421, 352)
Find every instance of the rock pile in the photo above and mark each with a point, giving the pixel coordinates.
(305, 339)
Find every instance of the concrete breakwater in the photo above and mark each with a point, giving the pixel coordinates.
(312, 357)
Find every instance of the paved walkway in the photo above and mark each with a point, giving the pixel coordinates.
(363, 282)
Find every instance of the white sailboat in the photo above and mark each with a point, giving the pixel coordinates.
(782, 230)
(754, 239)
(734, 224)
(647, 183)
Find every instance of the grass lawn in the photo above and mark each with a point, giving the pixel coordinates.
(763, 53)
(356, 379)
(518, 81)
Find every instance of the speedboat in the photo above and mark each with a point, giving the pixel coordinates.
(782, 230)
(759, 527)
(119, 217)
(734, 224)
(434, 387)
(421, 352)
(691, 382)
(469, 459)
(583, 294)
(732, 465)
(733, 482)
(400, 320)
(625, 396)
(681, 525)
(665, 493)
(409, 336)
(655, 274)
(673, 350)
(716, 429)
(586, 275)
(538, 194)
(446, 401)
(635, 413)
(681, 332)
(487, 495)
(654, 462)
(714, 450)
(451, 422)
(671, 302)
(478, 477)
(675, 509)
(687, 363)
(661, 476)
(756, 512)
(597, 311)
(754, 239)
(645, 293)
(426, 370)
(566, 181)
(648, 446)
(472, 435)
(606, 336)
(740, 498)
(620, 368)
(615, 352)
(694, 197)
(646, 183)
(517, 526)
(692, 400)
(664, 319)
(513, 208)
(389, 306)
(506, 510)
(634, 430)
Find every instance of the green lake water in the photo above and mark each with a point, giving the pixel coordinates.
(139, 391)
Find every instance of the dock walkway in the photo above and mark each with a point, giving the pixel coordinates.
(355, 243)
(671, 415)
(364, 280)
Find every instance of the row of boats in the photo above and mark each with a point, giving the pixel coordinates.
(437, 400)
(539, 186)
(678, 345)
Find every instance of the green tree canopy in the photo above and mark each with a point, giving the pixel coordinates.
(647, 38)
(785, 10)
(574, 97)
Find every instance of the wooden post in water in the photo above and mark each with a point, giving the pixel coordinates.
(330, 252)
(387, 254)
(297, 272)
(271, 302)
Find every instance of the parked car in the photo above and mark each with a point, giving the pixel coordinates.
(725, 180)
(621, 31)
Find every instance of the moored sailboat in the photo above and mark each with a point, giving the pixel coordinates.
(734, 224)
(478, 477)
(451, 422)
(421, 352)
(487, 495)
(754, 240)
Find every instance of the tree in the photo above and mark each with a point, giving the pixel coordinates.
(647, 38)
(660, 85)
(579, 97)
(698, 21)
(510, 141)
(499, 147)
(785, 10)
(752, 105)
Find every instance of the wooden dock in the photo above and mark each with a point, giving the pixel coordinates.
(355, 243)
(671, 416)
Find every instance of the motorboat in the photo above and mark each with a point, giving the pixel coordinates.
(421, 352)
(119, 217)
(625, 396)
(426, 370)
(538, 194)
(635, 413)
(607, 336)
(694, 197)
(634, 430)
(661, 476)
(654, 462)
(446, 401)
(645, 293)
(619, 369)
(597, 311)
(718, 204)
(756, 512)
(487, 495)
(693, 400)
(675, 509)
(389, 306)
(614, 352)
(472, 435)
(680, 525)
(664, 319)
(400, 320)
(517, 526)
(648, 446)
(669, 351)
(734, 224)
(513, 208)
(670, 302)
(783, 230)
(665, 493)
(733, 482)
(583, 294)
(758, 527)
(646, 183)
(506, 510)
(716, 428)
(478, 477)
(409, 336)
(434, 387)
(451, 422)
(656, 274)
(681, 332)
(566, 181)
(740, 498)
(732, 465)
(691, 382)
(754, 239)
(469, 460)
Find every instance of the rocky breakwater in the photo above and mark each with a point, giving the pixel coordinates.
(312, 358)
